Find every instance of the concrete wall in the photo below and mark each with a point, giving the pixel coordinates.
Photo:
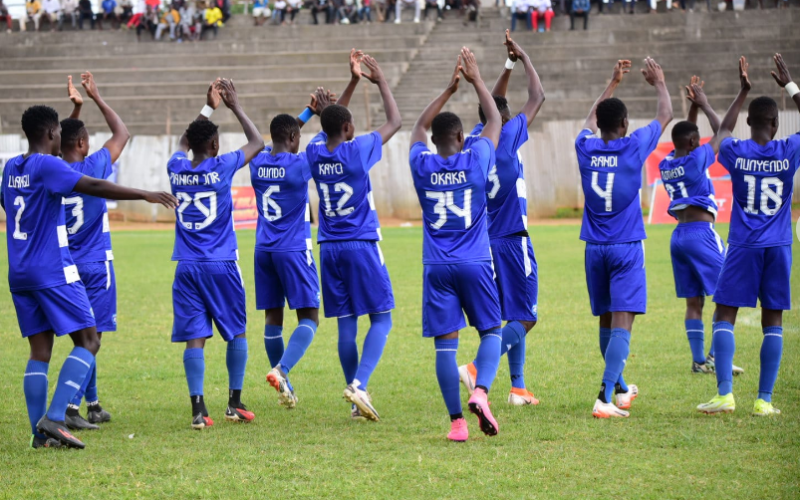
(551, 169)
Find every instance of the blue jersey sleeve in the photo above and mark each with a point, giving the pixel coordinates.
(727, 156)
(580, 141)
(370, 148)
(57, 177)
(98, 164)
(476, 131)
(321, 137)
(417, 150)
(305, 166)
(517, 132)
(482, 151)
(647, 138)
(703, 156)
(230, 163)
(793, 151)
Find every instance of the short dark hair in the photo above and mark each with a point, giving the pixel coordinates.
(333, 118)
(71, 130)
(200, 133)
(282, 126)
(37, 120)
(446, 124)
(682, 131)
(501, 103)
(762, 111)
(610, 113)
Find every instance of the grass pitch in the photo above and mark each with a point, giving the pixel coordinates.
(554, 450)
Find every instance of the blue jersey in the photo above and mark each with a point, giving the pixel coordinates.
(687, 181)
(204, 229)
(346, 209)
(452, 193)
(507, 202)
(611, 175)
(762, 180)
(87, 216)
(280, 183)
(31, 194)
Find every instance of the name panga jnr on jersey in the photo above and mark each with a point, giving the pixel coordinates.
(193, 179)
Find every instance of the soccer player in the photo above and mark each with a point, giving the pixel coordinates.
(456, 256)
(208, 282)
(759, 260)
(613, 229)
(696, 248)
(88, 233)
(48, 295)
(507, 204)
(284, 266)
(355, 281)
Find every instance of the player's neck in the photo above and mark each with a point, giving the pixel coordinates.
(72, 156)
(609, 136)
(680, 153)
(42, 149)
(334, 142)
(278, 148)
(446, 151)
(760, 137)
(200, 158)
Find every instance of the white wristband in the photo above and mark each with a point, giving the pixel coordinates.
(510, 64)
(792, 89)
(207, 111)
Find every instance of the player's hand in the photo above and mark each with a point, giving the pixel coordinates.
(744, 79)
(375, 73)
(782, 76)
(514, 50)
(323, 98)
(693, 96)
(622, 68)
(652, 71)
(469, 66)
(212, 97)
(162, 198)
(73, 93)
(452, 87)
(87, 80)
(228, 93)
(355, 64)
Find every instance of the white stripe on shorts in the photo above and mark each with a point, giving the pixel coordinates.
(108, 276)
(525, 257)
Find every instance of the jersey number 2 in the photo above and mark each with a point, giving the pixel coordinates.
(19, 201)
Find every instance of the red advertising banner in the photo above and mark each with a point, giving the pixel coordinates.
(245, 211)
(660, 203)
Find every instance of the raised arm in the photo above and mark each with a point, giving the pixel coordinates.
(729, 121)
(75, 97)
(699, 100)
(655, 76)
(109, 190)
(501, 85)
(212, 101)
(693, 108)
(535, 89)
(355, 76)
(784, 79)
(119, 132)
(393, 120)
(255, 143)
(420, 131)
(494, 123)
(622, 68)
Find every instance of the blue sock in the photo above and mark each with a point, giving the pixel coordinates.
(696, 336)
(195, 366)
(516, 352)
(79, 395)
(771, 351)
(348, 350)
(725, 347)
(513, 333)
(711, 347)
(488, 359)
(616, 356)
(75, 368)
(447, 373)
(273, 343)
(374, 342)
(35, 387)
(236, 361)
(605, 337)
(91, 387)
(298, 343)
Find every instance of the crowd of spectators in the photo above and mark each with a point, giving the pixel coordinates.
(359, 11)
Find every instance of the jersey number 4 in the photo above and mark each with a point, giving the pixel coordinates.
(767, 194)
(210, 212)
(605, 193)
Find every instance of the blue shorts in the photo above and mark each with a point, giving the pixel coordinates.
(206, 291)
(101, 288)
(354, 279)
(289, 275)
(62, 309)
(517, 278)
(751, 274)
(616, 278)
(697, 255)
(447, 289)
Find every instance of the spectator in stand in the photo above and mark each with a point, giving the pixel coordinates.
(148, 22)
(347, 11)
(521, 9)
(212, 20)
(33, 12)
(186, 12)
(580, 8)
(470, 9)
(51, 12)
(433, 4)
(124, 10)
(542, 9)
(138, 14)
(278, 12)
(170, 19)
(318, 6)
(398, 9)
(69, 9)
(365, 12)
(109, 13)
(382, 10)
(224, 7)
(261, 12)
(293, 8)
(5, 16)
(667, 4)
(85, 12)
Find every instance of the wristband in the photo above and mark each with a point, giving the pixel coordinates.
(207, 111)
(305, 115)
(510, 64)
(792, 89)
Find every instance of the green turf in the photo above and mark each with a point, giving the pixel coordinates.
(555, 450)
